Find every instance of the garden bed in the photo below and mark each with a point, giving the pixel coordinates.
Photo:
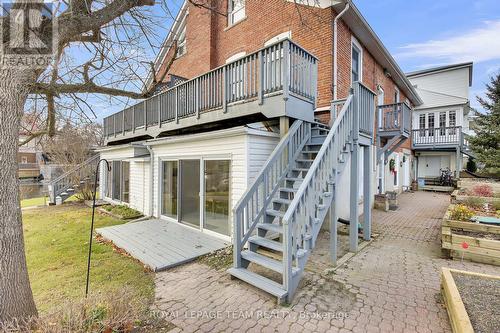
(470, 241)
(121, 212)
(471, 300)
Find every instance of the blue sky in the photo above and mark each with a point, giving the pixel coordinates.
(427, 33)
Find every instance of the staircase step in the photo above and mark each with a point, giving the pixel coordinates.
(304, 160)
(266, 262)
(282, 201)
(259, 281)
(276, 213)
(294, 179)
(270, 244)
(311, 151)
(287, 190)
(300, 169)
(271, 227)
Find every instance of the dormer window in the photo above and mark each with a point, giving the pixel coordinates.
(236, 11)
(181, 43)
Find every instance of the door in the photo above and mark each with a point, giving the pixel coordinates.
(169, 203)
(190, 192)
(406, 171)
(216, 196)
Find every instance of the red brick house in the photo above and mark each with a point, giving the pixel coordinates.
(269, 121)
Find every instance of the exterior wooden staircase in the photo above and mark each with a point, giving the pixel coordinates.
(277, 221)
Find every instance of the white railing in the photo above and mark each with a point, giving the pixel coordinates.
(251, 208)
(283, 67)
(439, 136)
(394, 117)
(300, 216)
(72, 177)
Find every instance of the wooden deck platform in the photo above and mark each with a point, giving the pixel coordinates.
(160, 244)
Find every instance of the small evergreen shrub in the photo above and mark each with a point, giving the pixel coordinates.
(475, 202)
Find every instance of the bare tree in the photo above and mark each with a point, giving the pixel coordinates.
(100, 49)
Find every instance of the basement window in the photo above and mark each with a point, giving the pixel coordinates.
(236, 11)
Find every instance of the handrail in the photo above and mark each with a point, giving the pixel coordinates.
(437, 136)
(282, 66)
(76, 168)
(251, 208)
(395, 116)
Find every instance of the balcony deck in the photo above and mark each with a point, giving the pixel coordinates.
(394, 120)
(279, 80)
(443, 138)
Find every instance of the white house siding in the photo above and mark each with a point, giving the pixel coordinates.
(247, 149)
(430, 162)
(120, 153)
(140, 186)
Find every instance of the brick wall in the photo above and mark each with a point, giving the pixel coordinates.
(210, 42)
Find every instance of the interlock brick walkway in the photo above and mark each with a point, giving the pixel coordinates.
(392, 285)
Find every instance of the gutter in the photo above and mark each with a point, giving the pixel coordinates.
(335, 42)
(151, 179)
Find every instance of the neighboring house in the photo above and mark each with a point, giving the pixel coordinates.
(28, 158)
(234, 149)
(441, 123)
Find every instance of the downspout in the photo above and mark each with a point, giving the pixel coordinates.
(151, 179)
(335, 44)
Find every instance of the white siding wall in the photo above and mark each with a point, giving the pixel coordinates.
(454, 83)
(140, 186)
(429, 163)
(247, 150)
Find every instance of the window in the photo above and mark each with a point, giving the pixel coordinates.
(452, 122)
(236, 11)
(356, 63)
(421, 124)
(24, 159)
(396, 95)
(442, 123)
(181, 43)
(430, 121)
(118, 181)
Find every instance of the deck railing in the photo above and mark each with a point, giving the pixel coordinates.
(283, 67)
(443, 136)
(251, 208)
(394, 117)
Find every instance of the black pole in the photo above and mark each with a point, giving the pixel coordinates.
(92, 224)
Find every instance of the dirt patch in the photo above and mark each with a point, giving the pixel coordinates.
(481, 297)
(219, 260)
(477, 234)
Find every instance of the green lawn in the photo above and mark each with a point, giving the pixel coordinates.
(40, 201)
(56, 240)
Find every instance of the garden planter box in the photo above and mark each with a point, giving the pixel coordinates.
(118, 216)
(470, 184)
(457, 198)
(464, 295)
(483, 241)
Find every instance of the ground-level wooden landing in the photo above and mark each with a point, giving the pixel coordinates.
(161, 244)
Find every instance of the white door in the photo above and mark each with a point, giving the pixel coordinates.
(406, 167)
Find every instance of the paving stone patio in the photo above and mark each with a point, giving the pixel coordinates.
(392, 285)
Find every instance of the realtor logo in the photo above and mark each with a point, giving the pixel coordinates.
(29, 31)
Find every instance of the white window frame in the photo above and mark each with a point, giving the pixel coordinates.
(397, 94)
(235, 13)
(181, 43)
(356, 45)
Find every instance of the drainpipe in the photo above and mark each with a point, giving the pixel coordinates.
(335, 44)
(151, 179)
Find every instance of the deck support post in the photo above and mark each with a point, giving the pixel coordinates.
(367, 207)
(354, 195)
(333, 214)
(458, 163)
(284, 126)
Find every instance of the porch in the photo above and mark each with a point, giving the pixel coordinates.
(278, 80)
(161, 244)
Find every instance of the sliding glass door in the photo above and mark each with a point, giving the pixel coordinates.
(190, 192)
(217, 196)
(201, 202)
(169, 195)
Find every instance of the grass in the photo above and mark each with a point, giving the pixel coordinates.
(56, 247)
(42, 201)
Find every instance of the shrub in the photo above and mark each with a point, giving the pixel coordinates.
(483, 190)
(122, 210)
(471, 165)
(461, 213)
(475, 202)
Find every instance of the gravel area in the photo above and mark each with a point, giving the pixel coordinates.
(481, 297)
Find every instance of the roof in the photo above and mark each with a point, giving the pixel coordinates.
(438, 99)
(367, 36)
(445, 68)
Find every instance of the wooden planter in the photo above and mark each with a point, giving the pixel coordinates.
(457, 198)
(459, 318)
(479, 249)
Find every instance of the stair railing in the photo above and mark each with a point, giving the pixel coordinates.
(67, 179)
(251, 208)
(299, 219)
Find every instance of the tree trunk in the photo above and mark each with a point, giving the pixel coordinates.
(16, 298)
